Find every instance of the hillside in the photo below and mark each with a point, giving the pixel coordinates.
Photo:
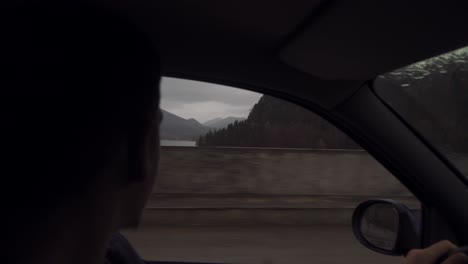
(174, 127)
(276, 123)
(212, 121)
(219, 123)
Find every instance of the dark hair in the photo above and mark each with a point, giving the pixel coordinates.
(75, 79)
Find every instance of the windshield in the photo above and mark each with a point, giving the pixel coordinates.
(432, 96)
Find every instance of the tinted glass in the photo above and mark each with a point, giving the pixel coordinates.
(432, 96)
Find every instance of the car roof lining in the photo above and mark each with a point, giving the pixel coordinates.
(261, 45)
(358, 40)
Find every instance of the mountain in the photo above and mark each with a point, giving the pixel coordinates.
(279, 124)
(174, 127)
(212, 121)
(219, 123)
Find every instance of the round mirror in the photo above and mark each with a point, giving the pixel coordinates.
(379, 225)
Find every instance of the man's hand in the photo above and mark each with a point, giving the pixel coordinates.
(431, 254)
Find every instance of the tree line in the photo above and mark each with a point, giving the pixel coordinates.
(279, 124)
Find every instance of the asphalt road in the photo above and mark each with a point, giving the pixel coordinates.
(256, 244)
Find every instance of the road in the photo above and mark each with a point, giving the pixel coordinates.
(254, 245)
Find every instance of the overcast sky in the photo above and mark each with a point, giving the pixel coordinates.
(205, 101)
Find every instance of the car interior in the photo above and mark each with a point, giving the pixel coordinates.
(324, 55)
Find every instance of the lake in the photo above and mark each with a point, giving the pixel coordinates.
(178, 143)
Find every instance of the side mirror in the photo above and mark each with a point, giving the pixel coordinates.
(387, 227)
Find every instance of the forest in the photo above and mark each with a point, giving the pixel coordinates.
(279, 124)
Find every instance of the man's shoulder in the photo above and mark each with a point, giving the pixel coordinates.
(120, 251)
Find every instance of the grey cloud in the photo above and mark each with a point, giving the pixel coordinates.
(185, 91)
(204, 101)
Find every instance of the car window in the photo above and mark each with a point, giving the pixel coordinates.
(249, 178)
(432, 96)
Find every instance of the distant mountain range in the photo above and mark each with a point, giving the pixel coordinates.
(177, 128)
(174, 127)
(218, 123)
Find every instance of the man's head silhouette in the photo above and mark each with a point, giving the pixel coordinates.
(80, 114)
